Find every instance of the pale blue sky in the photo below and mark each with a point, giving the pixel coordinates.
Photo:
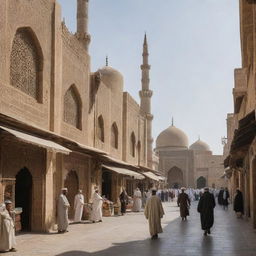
(194, 47)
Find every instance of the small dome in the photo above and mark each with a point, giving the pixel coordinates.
(172, 137)
(200, 146)
(112, 78)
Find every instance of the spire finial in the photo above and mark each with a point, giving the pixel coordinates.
(145, 38)
(107, 61)
(172, 121)
(199, 138)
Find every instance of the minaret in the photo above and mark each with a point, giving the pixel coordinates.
(145, 103)
(82, 23)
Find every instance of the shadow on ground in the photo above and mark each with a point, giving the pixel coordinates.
(229, 237)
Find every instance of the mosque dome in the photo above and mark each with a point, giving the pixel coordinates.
(112, 78)
(200, 145)
(172, 137)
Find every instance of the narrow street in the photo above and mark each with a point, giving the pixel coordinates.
(129, 235)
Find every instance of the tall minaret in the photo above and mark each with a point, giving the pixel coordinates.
(145, 103)
(82, 23)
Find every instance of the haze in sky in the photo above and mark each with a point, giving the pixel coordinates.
(194, 46)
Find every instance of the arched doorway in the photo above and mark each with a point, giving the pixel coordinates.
(107, 184)
(72, 184)
(23, 197)
(201, 182)
(175, 177)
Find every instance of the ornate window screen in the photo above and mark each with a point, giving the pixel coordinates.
(26, 63)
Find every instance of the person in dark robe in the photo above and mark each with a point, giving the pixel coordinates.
(220, 196)
(225, 200)
(239, 204)
(124, 201)
(162, 195)
(206, 209)
(184, 203)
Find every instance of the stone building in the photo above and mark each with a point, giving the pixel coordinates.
(240, 159)
(191, 166)
(60, 123)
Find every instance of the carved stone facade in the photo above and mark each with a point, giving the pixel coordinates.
(49, 95)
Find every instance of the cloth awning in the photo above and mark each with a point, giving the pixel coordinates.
(36, 140)
(152, 176)
(124, 171)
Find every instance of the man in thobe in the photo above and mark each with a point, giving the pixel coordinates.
(63, 206)
(137, 201)
(154, 212)
(78, 206)
(7, 228)
(184, 203)
(97, 201)
(206, 209)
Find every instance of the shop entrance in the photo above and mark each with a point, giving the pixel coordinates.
(72, 184)
(107, 185)
(23, 197)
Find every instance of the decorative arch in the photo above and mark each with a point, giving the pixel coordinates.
(114, 135)
(72, 184)
(175, 177)
(73, 107)
(132, 144)
(100, 130)
(201, 182)
(26, 63)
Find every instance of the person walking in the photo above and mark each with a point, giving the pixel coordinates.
(97, 202)
(184, 204)
(154, 212)
(206, 209)
(124, 201)
(225, 201)
(239, 204)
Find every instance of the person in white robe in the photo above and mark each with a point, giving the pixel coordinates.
(154, 212)
(137, 203)
(7, 228)
(97, 200)
(78, 206)
(63, 206)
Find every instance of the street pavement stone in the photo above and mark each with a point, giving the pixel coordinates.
(129, 236)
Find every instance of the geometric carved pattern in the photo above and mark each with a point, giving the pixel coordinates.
(72, 108)
(132, 144)
(114, 136)
(25, 64)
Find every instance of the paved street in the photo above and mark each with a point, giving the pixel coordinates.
(129, 235)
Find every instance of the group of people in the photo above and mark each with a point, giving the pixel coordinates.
(153, 210)
(64, 205)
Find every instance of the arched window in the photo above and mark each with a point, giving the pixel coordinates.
(72, 107)
(100, 131)
(26, 63)
(114, 136)
(132, 144)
